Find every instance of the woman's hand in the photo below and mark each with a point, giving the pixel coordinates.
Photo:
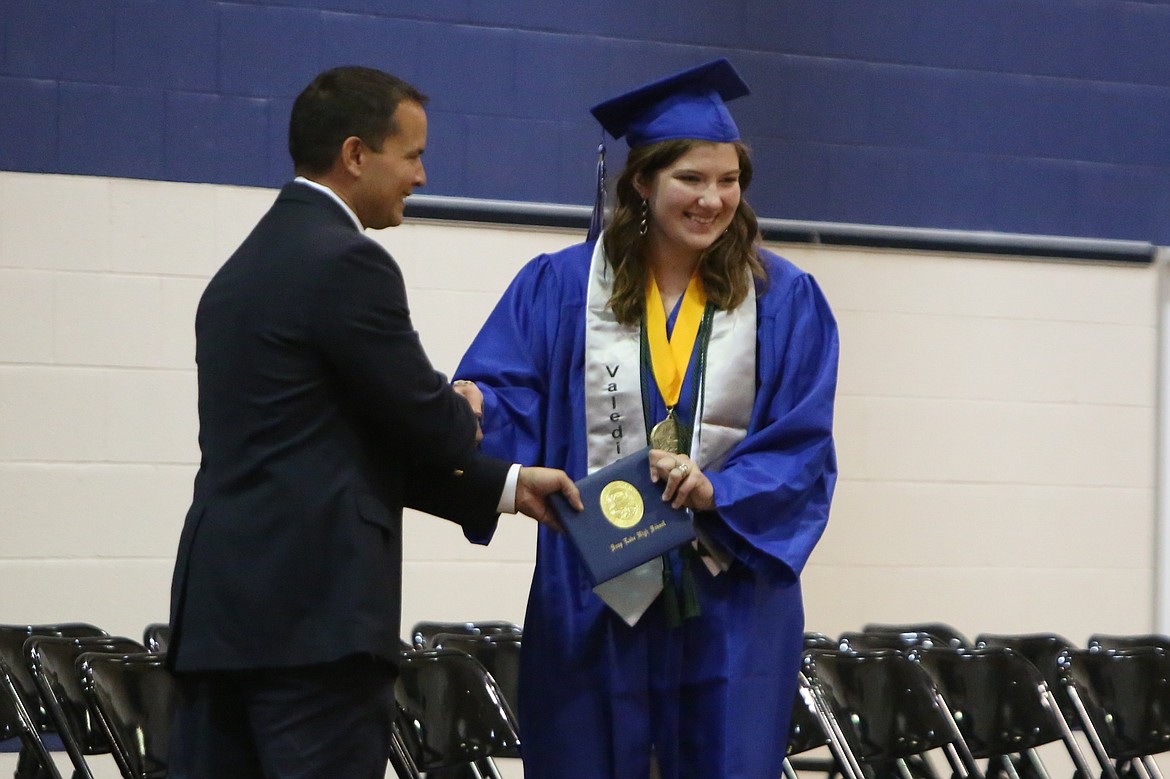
(471, 393)
(686, 484)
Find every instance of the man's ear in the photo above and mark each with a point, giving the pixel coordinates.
(351, 155)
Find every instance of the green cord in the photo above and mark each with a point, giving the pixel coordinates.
(685, 591)
(670, 595)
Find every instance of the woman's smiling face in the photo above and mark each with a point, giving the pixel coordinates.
(692, 200)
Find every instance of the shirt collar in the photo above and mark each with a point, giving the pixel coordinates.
(322, 188)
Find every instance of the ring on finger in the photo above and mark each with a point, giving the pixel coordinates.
(684, 469)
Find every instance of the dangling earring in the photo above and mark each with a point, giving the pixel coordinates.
(643, 225)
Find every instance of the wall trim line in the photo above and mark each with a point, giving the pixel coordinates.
(461, 209)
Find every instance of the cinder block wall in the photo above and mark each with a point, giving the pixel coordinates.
(995, 419)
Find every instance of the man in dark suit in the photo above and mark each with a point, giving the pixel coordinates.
(320, 419)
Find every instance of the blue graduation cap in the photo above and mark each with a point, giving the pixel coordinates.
(690, 104)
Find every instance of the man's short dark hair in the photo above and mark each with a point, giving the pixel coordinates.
(342, 102)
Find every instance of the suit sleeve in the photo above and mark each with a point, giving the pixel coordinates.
(468, 496)
(370, 344)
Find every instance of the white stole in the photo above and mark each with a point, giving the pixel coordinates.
(613, 406)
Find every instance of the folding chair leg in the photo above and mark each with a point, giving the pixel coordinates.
(1070, 740)
(400, 757)
(31, 766)
(838, 745)
(1035, 767)
(485, 769)
(1009, 768)
(1152, 767)
(1108, 771)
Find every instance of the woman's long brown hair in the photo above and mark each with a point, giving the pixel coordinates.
(721, 267)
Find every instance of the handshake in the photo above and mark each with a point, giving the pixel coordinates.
(534, 484)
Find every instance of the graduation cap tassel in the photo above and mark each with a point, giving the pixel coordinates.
(595, 221)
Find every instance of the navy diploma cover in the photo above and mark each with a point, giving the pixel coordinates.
(625, 521)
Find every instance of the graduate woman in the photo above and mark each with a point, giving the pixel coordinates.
(676, 329)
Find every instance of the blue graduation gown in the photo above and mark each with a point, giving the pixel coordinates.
(712, 698)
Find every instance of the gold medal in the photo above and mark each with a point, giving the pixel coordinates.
(670, 356)
(621, 503)
(664, 435)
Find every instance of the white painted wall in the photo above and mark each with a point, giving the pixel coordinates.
(996, 419)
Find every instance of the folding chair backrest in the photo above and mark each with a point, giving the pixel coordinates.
(498, 653)
(814, 640)
(1126, 697)
(454, 710)
(941, 632)
(12, 638)
(867, 641)
(134, 697)
(156, 637)
(1128, 641)
(53, 662)
(422, 632)
(1042, 650)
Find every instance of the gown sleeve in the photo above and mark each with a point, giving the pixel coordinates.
(772, 494)
(509, 360)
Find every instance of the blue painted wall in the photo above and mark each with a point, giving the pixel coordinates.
(1032, 116)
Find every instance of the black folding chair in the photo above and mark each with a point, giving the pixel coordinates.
(1122, 698)
(1003, 708)
(453, 713)
(53, 663)
(12, 638)
(499, 654)
(133, 696)
(877, 638)
(888, 712)
(16, 718)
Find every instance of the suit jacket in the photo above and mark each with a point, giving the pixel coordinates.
(320, 418)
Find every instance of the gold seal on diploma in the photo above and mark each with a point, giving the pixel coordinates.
(621, 503)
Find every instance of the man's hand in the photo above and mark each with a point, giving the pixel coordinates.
(474, 398)
(535, 484)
